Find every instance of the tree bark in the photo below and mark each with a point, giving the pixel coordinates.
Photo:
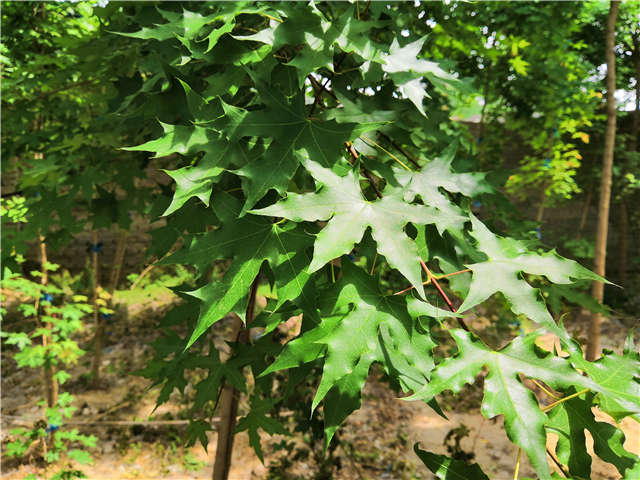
(597, 290)
(541, 204)
(50, 383)
(623, 224)
(229, 397)
(585, 212)
(118, 261)
(97, 321)
(635, 128)
(623, 215)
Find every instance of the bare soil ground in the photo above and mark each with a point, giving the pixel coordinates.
(375, 443)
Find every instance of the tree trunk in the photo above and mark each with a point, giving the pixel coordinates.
(541, 205)
(585, 212)
(635, 128)
(118, 261)
(593, 346)
(623, 224)
(50, 383)
(97, 321)
(623, 215)
(229, 398)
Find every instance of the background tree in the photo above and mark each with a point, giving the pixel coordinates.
(593, 348)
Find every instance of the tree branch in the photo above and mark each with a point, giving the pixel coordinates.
(400, 149)
(367, 174)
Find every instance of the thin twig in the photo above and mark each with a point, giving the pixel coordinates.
(323, 87)
(400, 149)
(373, 265)
(372, 182)
(142, 275)
(558, 464)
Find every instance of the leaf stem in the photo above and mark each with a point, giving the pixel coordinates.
(545, 390)
(564, 399)
(373, 265)
(437, 285)
(443, 295)
(517, 468)
(271, 17)
(400, 149)
(558, 464)
(367, 174)
(371, 142)
(437, 277)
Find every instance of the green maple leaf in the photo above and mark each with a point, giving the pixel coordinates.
(438, 174)
(169, 372)
(191, 181)
(231, 371)
(180, 139)
(507, 260)
(196, 181)
(415, 91)
(519, 65)
(406, 70)
(405, 59)
(447, 468)
(285, 121)
(250, 241)
(185, 25)
(617, 380)
(633, 473)
(385, 333)
(349, 214)
(256, 419)
(569, 421)
(504, 392)
(197, 430)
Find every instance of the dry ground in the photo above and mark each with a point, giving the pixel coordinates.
(375, 443)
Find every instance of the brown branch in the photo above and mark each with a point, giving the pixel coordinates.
(323, 88)
(229, 397)
(558, 464)
(97, 321)
(367, 174)
(400, 149)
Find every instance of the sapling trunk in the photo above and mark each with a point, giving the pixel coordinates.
(229, 397)
(585, 212)
(50, 383)
(597, 290)
(623, 228)
(633, 147)
(541, 204)
(118, 261)
(97, 321)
